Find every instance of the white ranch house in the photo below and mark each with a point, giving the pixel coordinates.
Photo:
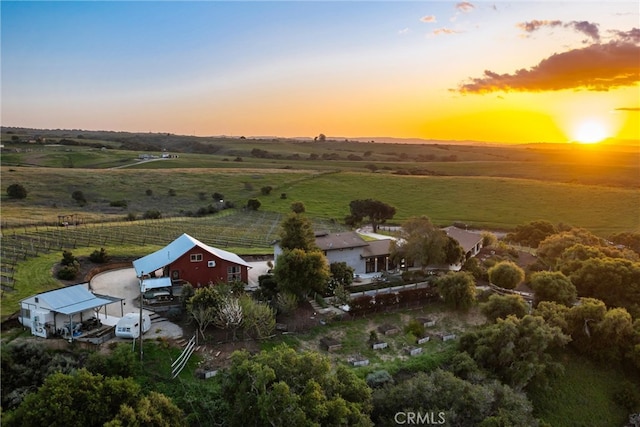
(371, 257)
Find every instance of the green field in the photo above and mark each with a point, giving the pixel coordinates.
(489, 202)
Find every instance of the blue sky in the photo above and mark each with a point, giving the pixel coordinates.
(301, 68)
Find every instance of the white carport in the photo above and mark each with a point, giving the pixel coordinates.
(57, 311)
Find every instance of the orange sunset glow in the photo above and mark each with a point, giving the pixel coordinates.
(495, 72)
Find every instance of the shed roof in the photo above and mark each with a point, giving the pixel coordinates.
(156, 282)
(72, 299)
(175, 250)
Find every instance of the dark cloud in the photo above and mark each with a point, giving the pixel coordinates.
(631, 36)
(598, 67)
(465, 6)
(534, 25)
(628, 109)
(588, 28)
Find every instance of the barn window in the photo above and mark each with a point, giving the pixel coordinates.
(234, 274)
(196, 257)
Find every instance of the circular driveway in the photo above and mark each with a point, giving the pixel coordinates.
(123, 283)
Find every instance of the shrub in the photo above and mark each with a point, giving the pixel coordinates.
(298, 207)
(68, 258)
(218, 196)
(152, 214)
(16, 191)
(131, 216)
(68, 272)
(286, 303)
(415, 328)
(253, 204)
(171, 192)
(283, 196)
(99, 256)
(379, 379)
(266, 190)
(118, 203)
(149, 192)
(78, 196)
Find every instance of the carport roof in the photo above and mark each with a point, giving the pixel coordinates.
(72, 299)
(175, 250)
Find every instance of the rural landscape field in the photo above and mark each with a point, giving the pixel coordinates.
(488, 188)
(320, 213)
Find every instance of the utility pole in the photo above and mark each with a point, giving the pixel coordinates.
(140, 322)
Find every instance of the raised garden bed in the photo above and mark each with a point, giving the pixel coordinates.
(388, 329)
(330, 344)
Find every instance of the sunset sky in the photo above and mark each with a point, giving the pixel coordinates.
(515, 71)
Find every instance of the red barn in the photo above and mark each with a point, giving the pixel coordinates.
(189, 259)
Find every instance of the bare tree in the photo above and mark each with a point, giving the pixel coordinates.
(229, 315)
(204, 316)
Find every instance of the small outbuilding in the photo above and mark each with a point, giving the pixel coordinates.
(63, 311)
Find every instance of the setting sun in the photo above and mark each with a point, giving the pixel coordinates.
(590, 132)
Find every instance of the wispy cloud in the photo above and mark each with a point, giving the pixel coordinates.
(465, 6)
(404, 31)
(588, 28)
(628, 109)
(428, 19)
(444, 31)
(536, 24)
(598, 67)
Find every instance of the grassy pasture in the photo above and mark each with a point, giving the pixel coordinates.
(497, 203)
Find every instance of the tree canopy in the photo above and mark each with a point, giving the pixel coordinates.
(16, 191)
(84, 399)
(506, 274)
(297, 233)
(452, 400)
(502, 306)
(458, 289)
(374, 212)
(532, 233)
(301, 272)
(553, 286)
(286, 387)
(517, 350)
(420, 242)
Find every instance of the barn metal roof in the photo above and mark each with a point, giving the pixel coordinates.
(72, 299)
(175, 250)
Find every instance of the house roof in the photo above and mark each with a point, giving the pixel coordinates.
(335, 241)
(377, 248)
(466, 239)
(72, 299)
(175, 250)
